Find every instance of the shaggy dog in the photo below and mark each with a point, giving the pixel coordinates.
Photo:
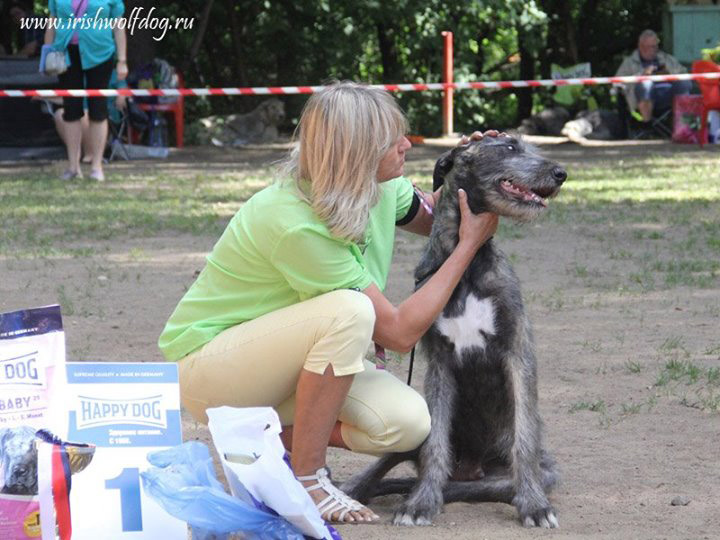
(18, 461)
(485, 443)
(258, 126)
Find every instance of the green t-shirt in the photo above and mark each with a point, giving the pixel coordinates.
(276, 252)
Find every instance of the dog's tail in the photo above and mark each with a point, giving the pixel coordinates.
(493, 488)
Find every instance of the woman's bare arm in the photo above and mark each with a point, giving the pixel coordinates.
(399, 328)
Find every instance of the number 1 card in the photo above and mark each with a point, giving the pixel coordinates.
(127, 410)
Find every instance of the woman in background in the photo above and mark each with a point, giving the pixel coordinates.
(91, 53)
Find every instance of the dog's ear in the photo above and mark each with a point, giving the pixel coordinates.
(442, 167)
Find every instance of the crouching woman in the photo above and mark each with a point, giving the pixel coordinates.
(291, 295)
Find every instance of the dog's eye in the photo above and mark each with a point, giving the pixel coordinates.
(511, 147)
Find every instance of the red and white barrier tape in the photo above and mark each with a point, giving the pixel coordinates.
(415, 87)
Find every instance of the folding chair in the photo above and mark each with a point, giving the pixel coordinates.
(117, 132)
(660, 125)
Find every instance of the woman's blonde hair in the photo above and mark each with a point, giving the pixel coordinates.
(344, 131)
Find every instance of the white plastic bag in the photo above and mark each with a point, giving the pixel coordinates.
(249, 437)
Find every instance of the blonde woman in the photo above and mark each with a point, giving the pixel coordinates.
(291, 295)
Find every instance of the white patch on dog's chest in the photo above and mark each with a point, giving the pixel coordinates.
(464, 331)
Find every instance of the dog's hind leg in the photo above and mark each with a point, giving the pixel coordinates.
(495, 488)
(526, 454)
(363, 486)
(436, 459)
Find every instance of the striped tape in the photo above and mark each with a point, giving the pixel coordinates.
(414, 87)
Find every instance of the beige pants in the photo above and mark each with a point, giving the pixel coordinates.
(258, 363)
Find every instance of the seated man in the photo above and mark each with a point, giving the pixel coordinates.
(648, 59)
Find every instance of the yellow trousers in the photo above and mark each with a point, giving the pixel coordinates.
(258, 363)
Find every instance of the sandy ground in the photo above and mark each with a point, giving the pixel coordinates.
(621, 463)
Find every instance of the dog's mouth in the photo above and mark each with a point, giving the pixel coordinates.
(526, 195)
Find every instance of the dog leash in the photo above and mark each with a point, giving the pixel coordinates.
(423, 201)
(418, 281)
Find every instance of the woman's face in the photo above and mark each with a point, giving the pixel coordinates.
(393, 162)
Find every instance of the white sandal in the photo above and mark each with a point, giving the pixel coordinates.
(336, 499)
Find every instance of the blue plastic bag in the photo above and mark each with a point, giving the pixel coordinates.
(183, 482)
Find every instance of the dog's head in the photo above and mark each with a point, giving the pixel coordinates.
(18, 461)
(272, 111)
(502, 174)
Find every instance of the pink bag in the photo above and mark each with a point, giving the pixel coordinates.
(687, 117)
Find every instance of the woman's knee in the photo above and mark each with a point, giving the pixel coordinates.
(353, 304)
(349, 321)
(97, 109)
(72, 109)
(412, 423)
(397, 429)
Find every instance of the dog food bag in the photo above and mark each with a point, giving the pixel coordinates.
(687, 114)
(32, 371)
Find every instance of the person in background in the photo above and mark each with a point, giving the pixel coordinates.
(648, 59)
(31, 38)
(116, 106)
(91, 54)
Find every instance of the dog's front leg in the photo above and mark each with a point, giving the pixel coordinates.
(530, 498)
(435, 463)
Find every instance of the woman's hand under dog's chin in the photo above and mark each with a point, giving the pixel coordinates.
(475, 229)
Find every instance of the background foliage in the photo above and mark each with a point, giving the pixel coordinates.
(291, 42)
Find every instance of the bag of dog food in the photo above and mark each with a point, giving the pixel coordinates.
(687, 120)
(32, 370)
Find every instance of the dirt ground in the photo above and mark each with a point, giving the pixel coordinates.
(625, 446)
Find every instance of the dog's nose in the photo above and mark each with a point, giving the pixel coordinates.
(559, 175)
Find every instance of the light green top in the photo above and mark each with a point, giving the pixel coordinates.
(95, 36)
(276, 252)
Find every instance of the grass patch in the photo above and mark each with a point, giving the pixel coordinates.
(633, 367)
(594, 406)
(53, 213)
(662, 209)
(676, 375)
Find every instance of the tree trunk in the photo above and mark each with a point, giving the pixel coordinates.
(237, 43)
(388, 53)
(527, 72)
(199, 35)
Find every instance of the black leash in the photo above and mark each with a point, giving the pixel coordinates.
(412, 361)
(418, 281)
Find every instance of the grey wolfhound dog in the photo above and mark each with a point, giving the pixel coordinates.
(485, 443)
(18, 461)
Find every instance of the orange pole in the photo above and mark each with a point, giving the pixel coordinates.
(447, 106)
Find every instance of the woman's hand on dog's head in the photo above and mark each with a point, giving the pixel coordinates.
(475, 229)
(479, 135)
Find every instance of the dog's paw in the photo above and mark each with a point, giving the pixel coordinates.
(545, 518)
(418, 513)
(410, 519)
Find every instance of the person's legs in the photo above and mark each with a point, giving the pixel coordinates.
(310, 350)
(60, 124)
(87, 152)
(97, 137)
(681, 88)
(661, 95)
(380, 414)
(98, 77)
(643, 91)
(72, 112)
